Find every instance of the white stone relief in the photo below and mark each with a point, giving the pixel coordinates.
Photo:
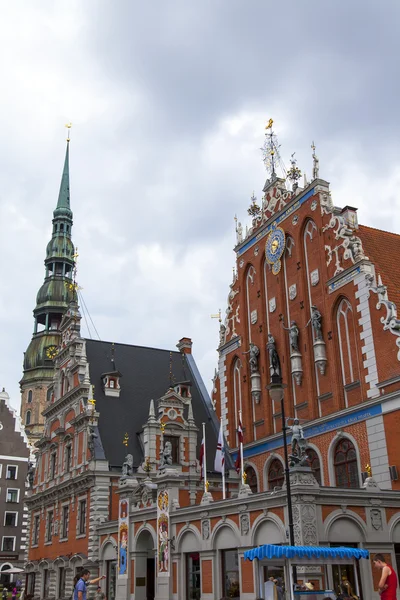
(314, 277)
(351, 245)
(272, 305)
(241, 263)
(253, 317)
(293, 291)
(390, 321)
(313, 205)
(256, 251)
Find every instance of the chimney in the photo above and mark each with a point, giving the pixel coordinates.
(185, 345)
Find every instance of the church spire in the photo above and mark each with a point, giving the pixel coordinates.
(63, 206)
(52, 301)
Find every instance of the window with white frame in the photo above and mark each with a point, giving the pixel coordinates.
(68, 457)
(53, 464)
(10, 519)
(12, 472)
(8, 544)
(49, 525)
(82, 517)
(12, 495)
(35, 530)
(65, 521)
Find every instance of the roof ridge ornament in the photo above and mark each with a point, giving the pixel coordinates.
(270, 151)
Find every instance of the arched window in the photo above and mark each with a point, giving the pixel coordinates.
(28, 417)
(345, 463)
(251, 479)
(30, 396)
(313, 461)
(347, 344)
(237, 397)
(275, 474)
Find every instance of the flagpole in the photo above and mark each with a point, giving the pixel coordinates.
(223, 465)
(204, 459)
(241, 450)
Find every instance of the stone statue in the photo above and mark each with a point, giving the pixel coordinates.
(127, 467)
(30, 474)
(298, 438)
(205, 529)
(253, 357)
(293, 336)
(274, 361)
(316, 322)
(315, 163)
(356, 248)
(239, 233)
(222, 334)
(92, 435)
(166, 457)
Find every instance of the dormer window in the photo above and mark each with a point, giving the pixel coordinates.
(111, 383)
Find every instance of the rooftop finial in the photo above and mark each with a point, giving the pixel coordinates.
(315, 173)
(270, 150)
(68, 127)
(294, 173)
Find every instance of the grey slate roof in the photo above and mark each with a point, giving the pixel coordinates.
(145, 376)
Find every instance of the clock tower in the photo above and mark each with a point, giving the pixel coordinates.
(52, 301)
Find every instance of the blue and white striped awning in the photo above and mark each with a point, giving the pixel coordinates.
(309, 552)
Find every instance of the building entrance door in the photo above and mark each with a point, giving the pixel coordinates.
(150, 578)
(111, 579)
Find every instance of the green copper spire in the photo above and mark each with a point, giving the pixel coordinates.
(63, 207)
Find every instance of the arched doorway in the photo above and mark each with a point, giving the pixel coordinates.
(145, 566)
(345, 531)
(189, 547)
(5, 578)
(226, 543)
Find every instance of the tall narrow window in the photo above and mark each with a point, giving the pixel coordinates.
(35, 532)
(275, 474)
(68, 457)
(345, 463)
(28, 417)
(65, 522)
(49, 525)
(347, 344)
(237, 396)
(12, 471)
(53, 463)
(251, 479)
(82, 517)
(30, 396)
(313, 461)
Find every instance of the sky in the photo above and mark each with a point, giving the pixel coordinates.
(168, 102)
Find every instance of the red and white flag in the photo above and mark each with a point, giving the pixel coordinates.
(240, 432)
(219, 462)
(238, 462)
(201, 458)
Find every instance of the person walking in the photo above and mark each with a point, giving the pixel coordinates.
(14, 593)
(387, 586)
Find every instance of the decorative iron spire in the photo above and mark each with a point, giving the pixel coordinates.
(271, 155)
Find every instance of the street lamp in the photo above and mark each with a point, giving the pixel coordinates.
(276, 391)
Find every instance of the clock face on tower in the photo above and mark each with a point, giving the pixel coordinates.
(51, 352)
(274, 248)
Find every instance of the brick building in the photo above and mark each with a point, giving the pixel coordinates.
(117, 485)
(14, 460)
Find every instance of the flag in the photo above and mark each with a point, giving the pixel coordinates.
(201, 458)
(219, 462)
(240, 432)
(238, 462)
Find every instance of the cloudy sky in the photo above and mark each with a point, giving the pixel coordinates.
(168, 102)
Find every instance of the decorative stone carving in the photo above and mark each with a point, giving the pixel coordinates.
(244, 524)
(274, 362)
(319, 344)
(295, 356)
(253, 317)
(231, 317)
(299, 443)
(293, 291)
(205, 529)
(166, 456)
(256, 251)
(315, 172)
(127, 467)
(376, 519)
(293, 336)
(326, 204)
(313, 205)
(390, 321)
(350, 244)
(241, 263)
(272, 305)
(239, 233)
(314, 277)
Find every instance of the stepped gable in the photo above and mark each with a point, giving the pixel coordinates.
(145, 376)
